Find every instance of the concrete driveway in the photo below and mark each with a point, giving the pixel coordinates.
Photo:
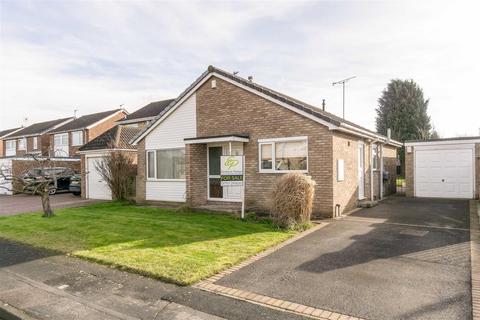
(404, 259)
(21, 203)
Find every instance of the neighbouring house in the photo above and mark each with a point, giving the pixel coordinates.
(223, 114)
(3, 135)
(32, 139)
(65, 140)
(143, 116)
(116, 139)
(443, 168)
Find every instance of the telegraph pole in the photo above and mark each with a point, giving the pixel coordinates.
(342, 82)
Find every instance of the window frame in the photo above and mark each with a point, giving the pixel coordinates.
(273, 142)
(35, 143)
(13, 145)
(155, 162)
(23, 145)
(80, 134)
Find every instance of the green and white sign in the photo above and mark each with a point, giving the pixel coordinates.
(231, 171)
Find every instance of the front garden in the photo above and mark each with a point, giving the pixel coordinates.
(179, 247)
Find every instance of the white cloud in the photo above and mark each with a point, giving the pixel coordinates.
(56, 57)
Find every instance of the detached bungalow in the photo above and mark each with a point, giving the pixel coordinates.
(223, 114)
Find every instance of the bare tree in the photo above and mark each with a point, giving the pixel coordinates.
(42, 184)
(118, 170)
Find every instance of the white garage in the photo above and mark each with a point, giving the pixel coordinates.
(444, 168)
(96, 187)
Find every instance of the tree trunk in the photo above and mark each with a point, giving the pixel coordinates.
(47, 209)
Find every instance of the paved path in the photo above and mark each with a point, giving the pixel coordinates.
(21, 203)
(404, 259)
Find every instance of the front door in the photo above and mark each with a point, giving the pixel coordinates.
(361, 171)
(215, 190)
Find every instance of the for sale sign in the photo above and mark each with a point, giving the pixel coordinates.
(231, 171)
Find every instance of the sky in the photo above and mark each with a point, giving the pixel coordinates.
(90, 56)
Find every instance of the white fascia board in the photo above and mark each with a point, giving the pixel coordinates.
(220, 139)
(105, 150)
(104, 119)
(135, 120)
(10, 133)
(441, 142)
(58, 125)
(366, 134)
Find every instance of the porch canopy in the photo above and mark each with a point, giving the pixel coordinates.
(213, 139)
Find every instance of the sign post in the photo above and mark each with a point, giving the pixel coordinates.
(232, 173)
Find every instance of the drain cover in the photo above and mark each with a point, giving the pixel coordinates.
(414, 232)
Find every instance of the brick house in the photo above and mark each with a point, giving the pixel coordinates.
(3, 135)
(443, 168)
(223, 114)
(115, 140)
(65, 140)
(33, 139)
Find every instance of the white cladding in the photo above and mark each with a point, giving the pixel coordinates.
(178, 125)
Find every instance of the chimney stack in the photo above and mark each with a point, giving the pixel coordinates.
(389, 134)
(250, 78)
(323, 104)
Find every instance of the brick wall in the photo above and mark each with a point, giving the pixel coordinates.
(2, 148)
(196, 174)
(229, 109)
(345, 193)
(141, 173)
(409, 191)
(103, 126)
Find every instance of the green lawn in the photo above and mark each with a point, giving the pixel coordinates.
(177, 247)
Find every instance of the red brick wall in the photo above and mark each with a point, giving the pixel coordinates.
(141, 173)
(229, 109)
(104, 126)
(345, 192)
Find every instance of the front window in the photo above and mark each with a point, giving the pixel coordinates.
(10, 147)
(22, 144)
(283, 155)
(168, 164)
(77, 138)
(35, 143)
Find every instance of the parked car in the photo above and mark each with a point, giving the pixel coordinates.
(59, 178)
(75, 185)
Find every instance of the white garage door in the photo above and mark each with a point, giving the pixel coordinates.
(444, 173)
(5, 183)
(96, 187)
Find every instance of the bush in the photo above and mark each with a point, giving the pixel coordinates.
(292, 200)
